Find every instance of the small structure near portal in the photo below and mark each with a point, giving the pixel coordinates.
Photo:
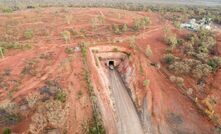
(194, 25)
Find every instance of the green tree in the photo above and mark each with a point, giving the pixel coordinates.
(213, 64)
(169, 58)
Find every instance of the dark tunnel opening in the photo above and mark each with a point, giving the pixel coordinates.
(111, 63)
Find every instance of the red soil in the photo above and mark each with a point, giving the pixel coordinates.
(163, 97)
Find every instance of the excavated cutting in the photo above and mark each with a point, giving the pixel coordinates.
(125, 114)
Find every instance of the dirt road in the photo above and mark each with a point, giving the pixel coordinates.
(128, 120)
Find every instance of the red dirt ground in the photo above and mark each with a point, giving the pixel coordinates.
(165, 101)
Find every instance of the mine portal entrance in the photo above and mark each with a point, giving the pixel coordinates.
(111, 64)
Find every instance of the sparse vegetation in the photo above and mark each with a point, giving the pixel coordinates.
(178, 80)
(32, 99)
(7, 10)
(91, 127)
(141, 69)
(201, 70)
(146, 83)
(172, 78)
(200, 47)
(56, 113)
(29, 67)
(6, 131)
(2, 52)
(210, 103)
(119, 29)
(148, 51)
(186, 66)
(49, 108)
(61, 96)
(116, 29)
(176, 24)
(171, 40)
(79, 94)
(141, 23)
(66, 36)
(94, 23)
(9, 114)
(5, 46)
(68, 19)
(215, 62)
(28, 34)
(115, 50)
(38, 123)
(169, 58)
(78, 33)
(50, 112)
(96, 126)
(69, 50)
(125, 28)
(180, 67)
(46, 55)
(83, 49)
(132, 42)
(199, 59)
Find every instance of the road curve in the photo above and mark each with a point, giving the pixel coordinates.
(128, 120)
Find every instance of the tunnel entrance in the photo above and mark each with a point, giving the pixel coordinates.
(111, 63)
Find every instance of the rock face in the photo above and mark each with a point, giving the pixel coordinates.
(126, 69)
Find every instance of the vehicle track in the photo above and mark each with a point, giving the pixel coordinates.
(128, 121)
